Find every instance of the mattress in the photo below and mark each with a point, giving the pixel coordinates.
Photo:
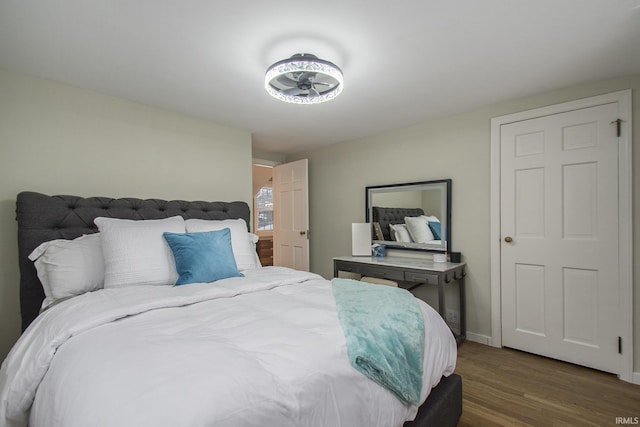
(265, 349)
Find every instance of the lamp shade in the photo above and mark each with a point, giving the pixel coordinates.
(361, 239)
(304, 79)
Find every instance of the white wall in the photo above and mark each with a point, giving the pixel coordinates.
(456, 147)
(56, 139)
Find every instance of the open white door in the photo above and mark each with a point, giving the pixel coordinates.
(291, 215)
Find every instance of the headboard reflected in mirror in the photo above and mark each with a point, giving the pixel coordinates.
(414, 215)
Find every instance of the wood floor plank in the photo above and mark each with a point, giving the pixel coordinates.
(504, 387)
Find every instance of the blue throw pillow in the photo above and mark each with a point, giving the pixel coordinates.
(435, 229)
(202, 257)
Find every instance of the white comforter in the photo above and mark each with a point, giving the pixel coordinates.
(263, 350)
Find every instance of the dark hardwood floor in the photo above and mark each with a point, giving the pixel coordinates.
(504, 387)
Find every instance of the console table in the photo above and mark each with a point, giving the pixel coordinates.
(411, 273)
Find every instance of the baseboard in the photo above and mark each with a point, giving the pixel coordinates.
(636, 378)
(479, 338)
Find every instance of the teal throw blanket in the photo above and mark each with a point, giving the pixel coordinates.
(384, 330)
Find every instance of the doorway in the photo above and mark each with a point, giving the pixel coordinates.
(281, 213)
(263, 208)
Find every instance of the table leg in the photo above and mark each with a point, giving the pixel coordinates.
(463, 310)
(441, 308)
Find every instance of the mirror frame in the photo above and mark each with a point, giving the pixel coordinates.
(370, 190)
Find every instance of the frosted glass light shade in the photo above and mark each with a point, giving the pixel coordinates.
(304, 79)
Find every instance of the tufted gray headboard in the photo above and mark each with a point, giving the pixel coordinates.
(42, 218)
(386, 216)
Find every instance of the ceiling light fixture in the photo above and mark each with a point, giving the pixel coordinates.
(303, 79)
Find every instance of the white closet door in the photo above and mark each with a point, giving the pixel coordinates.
(559, 229)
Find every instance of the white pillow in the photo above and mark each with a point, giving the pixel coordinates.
(68, 268)
(431, 218)
(253, 239)
(136, 253)
(399, 233)
(418, 229)
(243, 250)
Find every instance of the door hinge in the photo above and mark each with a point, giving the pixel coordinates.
(618, 123)
(619, 345)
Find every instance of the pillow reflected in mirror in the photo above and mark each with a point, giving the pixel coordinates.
(418, 229)
(399, 233)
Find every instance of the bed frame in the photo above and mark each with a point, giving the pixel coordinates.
(42, 218)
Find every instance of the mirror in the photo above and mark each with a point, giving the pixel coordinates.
(427, 203)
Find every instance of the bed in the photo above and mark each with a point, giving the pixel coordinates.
(405, 225)
(392, 216)
(260, 348)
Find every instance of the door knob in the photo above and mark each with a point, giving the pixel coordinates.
(508, 239)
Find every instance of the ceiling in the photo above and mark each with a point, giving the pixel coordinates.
(404, 61)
